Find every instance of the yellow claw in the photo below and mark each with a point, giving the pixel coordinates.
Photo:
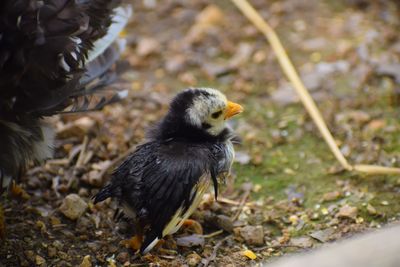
(194, 225)
(135, 242)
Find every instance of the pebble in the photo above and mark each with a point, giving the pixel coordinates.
(323, 235)
(73, 206)
(51, 251)
(371, 210)
(86, 262)
(347, 212)
(193, 259)
(330, 196)
(253, 235)
(147, 46)
(39, 260)
(30, 255)
(304, 242)
(224, 222)
(123, 257)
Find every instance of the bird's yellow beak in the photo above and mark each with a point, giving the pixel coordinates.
(232, 109)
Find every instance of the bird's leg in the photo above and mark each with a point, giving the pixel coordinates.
(135, 242)
(195, 226)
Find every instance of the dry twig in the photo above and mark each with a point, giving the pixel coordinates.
(214, 253)
(305, 97)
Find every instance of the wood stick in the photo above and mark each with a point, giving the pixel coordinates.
(305, 97)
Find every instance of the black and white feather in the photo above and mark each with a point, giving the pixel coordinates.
(55, 56)
(163, 181)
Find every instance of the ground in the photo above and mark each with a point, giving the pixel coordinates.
(289, 192)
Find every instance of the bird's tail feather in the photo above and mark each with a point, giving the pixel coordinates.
(149, 242)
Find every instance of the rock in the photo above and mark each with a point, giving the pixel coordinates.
(347, 212)
(330, 196)
(30, 255)
(224, 222)
(123, 257)
(93, 178)
(253, 235)
(284, 95)
(323, 235)
(375, 125)
(242, 55)
(371, 210)
(176, 64)
(190, 241)
(210, 17)
(51, 251)
(147, 46)
(73, 206)
(86, 262)
(39, 260)
(304, 242)
(193, 259)
(392, 70)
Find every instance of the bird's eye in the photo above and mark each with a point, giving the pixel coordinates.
(216, 114)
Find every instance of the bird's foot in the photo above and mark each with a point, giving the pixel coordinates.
(135, 242)
(193, 225)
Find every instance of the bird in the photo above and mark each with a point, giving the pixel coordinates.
(56, 56)
(162, 182)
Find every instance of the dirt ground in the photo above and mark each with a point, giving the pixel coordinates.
(289, 194)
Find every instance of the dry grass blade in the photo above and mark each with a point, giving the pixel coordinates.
(305, 97)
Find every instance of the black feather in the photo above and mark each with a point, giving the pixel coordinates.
(44, 47)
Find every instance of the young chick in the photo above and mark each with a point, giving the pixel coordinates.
(161, 184)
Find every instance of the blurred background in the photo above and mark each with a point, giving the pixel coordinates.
(298, 197)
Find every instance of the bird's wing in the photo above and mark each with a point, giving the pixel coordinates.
(170, 184)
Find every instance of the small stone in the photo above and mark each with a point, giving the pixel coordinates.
(147, 46)
(190, 241)
(224, 222)
(371, 210)
(122, 257)
(294, 219)
(86, 262)
(347, 212)
(330, 196)
(51, 251)
(384, 203)
(193, 259)
(253, 235)
(30, 255)
(93, 178)
(323, 235)
(73, 206)
(304, 242)
(39, 260)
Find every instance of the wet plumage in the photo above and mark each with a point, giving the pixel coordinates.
(162, 182)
